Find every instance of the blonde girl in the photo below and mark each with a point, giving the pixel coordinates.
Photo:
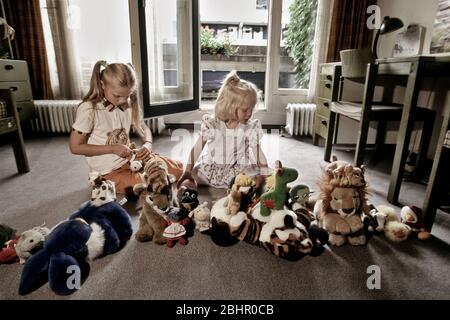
(231, 137)
(102, 126)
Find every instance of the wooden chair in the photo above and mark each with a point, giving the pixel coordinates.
(368, 110)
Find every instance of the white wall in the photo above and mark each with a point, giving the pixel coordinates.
(232, 11)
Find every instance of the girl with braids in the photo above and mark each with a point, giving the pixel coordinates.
(103, 122)
(231, 137)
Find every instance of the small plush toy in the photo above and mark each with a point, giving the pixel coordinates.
(242, 185)
(299, 196)
(201, 216)
(103, 191)
(412, 217)
(394, 229)
(30, 242)
(135, 165)
(377, 219)
(233, 202)
(186, 184)
(156, 206)
(6, 233)
(175, 230)
(276, 198)
(8, 254)
(189, 199)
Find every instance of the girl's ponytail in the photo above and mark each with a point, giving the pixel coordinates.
(231, 79)
(95, 93)
(136, 114)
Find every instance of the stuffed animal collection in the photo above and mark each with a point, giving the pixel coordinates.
(281, 232)
(278, 220)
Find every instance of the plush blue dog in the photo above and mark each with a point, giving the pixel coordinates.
(95, 230)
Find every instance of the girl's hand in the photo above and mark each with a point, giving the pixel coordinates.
(122, 150)
(144, 153)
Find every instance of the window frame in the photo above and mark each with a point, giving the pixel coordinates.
(170, 107)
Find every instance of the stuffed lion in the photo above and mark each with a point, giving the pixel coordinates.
(340, 209)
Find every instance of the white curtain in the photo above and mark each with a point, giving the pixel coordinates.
(155, 53)
(67, 60)
(324, 8)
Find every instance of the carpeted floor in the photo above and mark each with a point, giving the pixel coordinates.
(57, 185)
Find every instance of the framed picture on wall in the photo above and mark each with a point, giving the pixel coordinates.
(409, 42)
(440, 42)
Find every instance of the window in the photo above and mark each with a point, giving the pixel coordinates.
(240, 31)
(296, 45)
(169, 62)
(78, 33)
(261, 4)
(234, 35)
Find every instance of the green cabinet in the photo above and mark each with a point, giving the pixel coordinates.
(327, 91)
(14, 76)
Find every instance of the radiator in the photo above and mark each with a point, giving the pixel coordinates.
(300, 119)
(59, 115)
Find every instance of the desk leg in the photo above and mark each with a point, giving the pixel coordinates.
(330, 136)
(404, 134)
(19, 152)
(440, 175)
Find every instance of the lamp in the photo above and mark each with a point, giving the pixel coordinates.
(387, 26)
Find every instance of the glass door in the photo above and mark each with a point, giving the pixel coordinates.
(169, 53)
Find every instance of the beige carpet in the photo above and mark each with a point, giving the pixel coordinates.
(57, 185)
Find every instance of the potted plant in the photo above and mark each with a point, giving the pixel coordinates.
(211, 45)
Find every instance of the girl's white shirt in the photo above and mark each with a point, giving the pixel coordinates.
(100, 123)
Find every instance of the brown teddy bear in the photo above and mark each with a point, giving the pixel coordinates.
(151, 219)
(243, 185)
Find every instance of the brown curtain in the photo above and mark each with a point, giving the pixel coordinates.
(348, 27)
(25, 17)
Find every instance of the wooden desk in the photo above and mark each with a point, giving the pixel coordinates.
(412, 71)
(11, 130)
(417, 68)
(440, 173)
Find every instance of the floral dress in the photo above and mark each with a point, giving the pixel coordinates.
(227, 152)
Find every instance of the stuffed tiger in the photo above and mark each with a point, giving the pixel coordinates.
(287, 238)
